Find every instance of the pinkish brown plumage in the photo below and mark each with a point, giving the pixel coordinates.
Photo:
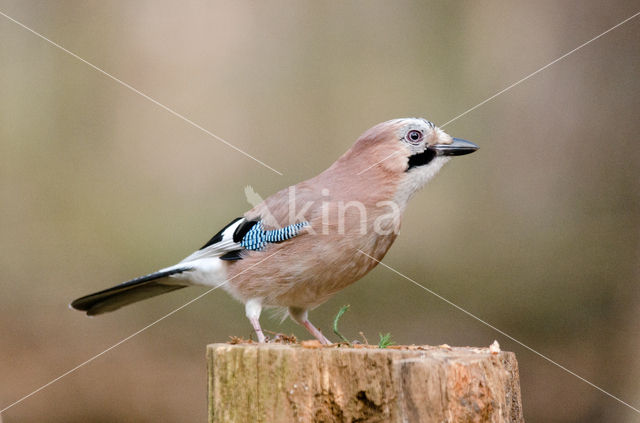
(350, 211)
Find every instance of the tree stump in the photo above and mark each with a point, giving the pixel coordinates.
(293, 383)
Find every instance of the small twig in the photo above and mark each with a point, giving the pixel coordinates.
(335, 323)
(364, 337)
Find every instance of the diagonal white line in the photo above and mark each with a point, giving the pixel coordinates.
(68, 372)
(501, 332)
(539, 70)
(154, 101)
(522, 80)
(380, 161)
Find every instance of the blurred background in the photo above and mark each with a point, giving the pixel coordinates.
(537, 233)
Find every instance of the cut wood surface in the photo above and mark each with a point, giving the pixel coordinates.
(294, 383)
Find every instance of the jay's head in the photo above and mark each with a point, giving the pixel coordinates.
(409, 150)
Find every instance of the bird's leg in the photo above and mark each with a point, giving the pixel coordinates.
(316, 333)
(252, 308)
(301, 316)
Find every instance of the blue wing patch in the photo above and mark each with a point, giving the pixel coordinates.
(257, 238)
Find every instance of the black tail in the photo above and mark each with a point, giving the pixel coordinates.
(126, 293)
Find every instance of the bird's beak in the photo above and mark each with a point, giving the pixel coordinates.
(458, 147)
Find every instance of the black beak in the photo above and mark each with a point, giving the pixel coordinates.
(458, 147)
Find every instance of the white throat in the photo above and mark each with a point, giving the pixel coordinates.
(416, 178)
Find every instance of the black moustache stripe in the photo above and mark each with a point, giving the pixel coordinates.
(421, 159)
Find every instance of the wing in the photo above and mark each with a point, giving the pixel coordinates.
(240, 235)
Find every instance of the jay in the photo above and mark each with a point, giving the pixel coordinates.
(300, 246)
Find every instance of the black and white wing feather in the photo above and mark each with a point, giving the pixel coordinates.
(242, 234)
(227, 240)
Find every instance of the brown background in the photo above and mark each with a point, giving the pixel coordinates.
(537, 233)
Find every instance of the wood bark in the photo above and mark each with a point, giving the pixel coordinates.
(291, 383)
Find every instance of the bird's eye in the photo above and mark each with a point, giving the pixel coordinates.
(414, 136)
